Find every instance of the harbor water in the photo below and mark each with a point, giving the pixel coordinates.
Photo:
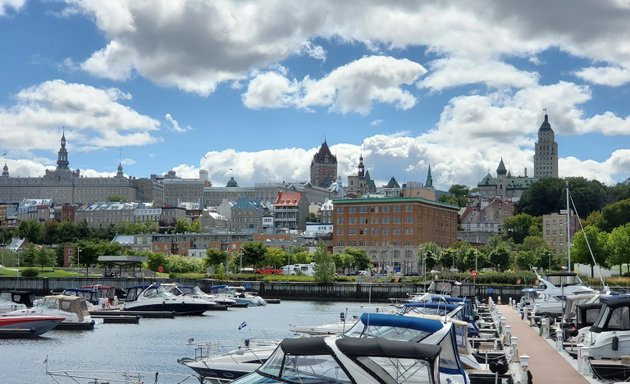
(154, 345)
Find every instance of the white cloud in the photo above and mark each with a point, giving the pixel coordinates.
(5, 5)
(376, 123)
(353, 87)
(174, 126)
(607, 171)
(93, 117)
(611, 76)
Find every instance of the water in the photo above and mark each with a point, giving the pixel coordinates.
(154, 345)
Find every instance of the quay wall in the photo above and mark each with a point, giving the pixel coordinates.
(363, 292)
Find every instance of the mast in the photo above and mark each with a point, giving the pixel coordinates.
(568, 229)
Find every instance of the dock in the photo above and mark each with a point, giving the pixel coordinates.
(144, 314)
(546, 364)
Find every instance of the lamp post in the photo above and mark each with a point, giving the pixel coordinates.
(79, 259)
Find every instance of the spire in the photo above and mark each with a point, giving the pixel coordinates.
(62, 155)
(545, 126)
(120, 171)
(429, 182)
(361, 166)
(501, 170)
(5, 170)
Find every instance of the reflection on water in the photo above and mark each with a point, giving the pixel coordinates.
(154, 344)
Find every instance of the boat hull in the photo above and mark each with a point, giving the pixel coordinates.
(179, 308)
(27, 326)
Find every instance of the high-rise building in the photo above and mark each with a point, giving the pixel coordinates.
(323, 167)
(546, 152)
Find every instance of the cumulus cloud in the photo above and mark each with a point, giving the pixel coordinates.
(15, 5)
(611, 76)
(353, 87)
(94, 117)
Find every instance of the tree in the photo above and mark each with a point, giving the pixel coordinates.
(214, 258)
(543, 196)
(274, 257)
(46, 257)
(358, 257)
(619, 246)
(28, 256)
(195, 227)
(458, 195)
(615, 215)
(524, 259)
(181, 226)
(427, 255)
(595, 218)
(31, 230)
(598, 241)
(312, 218)
(253, 253)
(518, 227)
(500, 256)
(324, 266)
(157, 260)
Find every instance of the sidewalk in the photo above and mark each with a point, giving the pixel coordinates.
(545, 363)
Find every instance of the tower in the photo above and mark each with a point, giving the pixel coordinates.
(323, 167)
(62, 155)
(546, 152)
(501, 179)
(429, 182)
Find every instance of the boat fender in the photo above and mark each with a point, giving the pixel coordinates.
(615, 343)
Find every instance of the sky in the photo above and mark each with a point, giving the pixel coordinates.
(251, 89)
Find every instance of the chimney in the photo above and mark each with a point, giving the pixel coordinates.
(525, 171)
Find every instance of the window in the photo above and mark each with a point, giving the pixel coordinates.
(352, 220)
(363, 209)
(352, 210)
(408, 208)
(339, 209)
(409, 219)
(385, 209)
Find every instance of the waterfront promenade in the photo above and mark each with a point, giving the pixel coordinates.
(545, 363)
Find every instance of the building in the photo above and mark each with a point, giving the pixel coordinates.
(247, 215)
(66, 186)
(361, 183)
(172, 191)
(323, 167)
(391, 229)
(416, 189)
(105, 214)
(546, 152)
(483, 219)
(289, 212)
(504, 186)
(555, 231)
(197, 244)
(266, 192)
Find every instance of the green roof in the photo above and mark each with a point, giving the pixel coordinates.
(394, 200)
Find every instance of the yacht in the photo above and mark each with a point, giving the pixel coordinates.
(336, 359)
(196, 292)
(73, 309)
(27, 325)
(552, 291)
(154, 297)
(239, 294)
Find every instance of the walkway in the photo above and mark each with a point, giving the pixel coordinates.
(545, 363)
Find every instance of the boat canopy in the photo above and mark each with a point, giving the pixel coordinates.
(397, 321)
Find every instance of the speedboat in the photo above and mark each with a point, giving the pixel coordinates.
(154, 297)
(239, 294)
(335, 359)
(15, 300)
(73, 309)
(553, 289)
(608, 340)
(196, 292)
(27, 325)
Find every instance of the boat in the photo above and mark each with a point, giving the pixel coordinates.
(196, 292)
(73, 309)
(154, 297)
(239, 294)
(27, 325)
(552, 291)
(608, 339)
(15, 300)
(336, 359)
(96, 296)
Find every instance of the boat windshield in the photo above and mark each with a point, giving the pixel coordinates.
(156, 291)
(565, 280)
(304, 368)
(398, 370)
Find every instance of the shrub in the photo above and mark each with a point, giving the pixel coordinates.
(29, 272)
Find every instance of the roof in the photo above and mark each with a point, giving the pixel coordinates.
(501, 170)
(545, 126)
(291, 199)
(394, 200)
(392, 183)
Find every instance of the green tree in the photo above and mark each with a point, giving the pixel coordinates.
(157, 260)
(524, 259)
(500, 256)
(274, 257)
(31, 230)
(195, 227)
(595, 218)
(181, 226)
(214, 258)
(598, 241)
(619, 192)
(254, 253)
(518, 227)
(301, 257)
(312, 218)
(615, 215)
(545, 195)
(28, 256)
(324, 270)
(428, 255)
(359, 259)
(619, 246)
(51, 232)
(46, 257)
(458, 195)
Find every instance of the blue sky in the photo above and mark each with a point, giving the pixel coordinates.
(251, 88)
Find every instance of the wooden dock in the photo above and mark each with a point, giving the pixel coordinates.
(545, 363)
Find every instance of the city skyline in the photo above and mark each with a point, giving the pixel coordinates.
(252, 89)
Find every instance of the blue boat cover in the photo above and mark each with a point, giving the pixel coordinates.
(391, 320)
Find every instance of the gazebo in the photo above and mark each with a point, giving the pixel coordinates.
(124, 264)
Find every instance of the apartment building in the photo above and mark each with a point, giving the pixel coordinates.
(391, 229)
(555, 230)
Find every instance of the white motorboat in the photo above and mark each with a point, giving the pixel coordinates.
(27, 325)
(73, 309)
(239, 294)
(336, 359)
(608, 340)
(552, 291)
(154, 297)
(196, 292)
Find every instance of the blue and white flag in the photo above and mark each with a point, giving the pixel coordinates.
(243, 325)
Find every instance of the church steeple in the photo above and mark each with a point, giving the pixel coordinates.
(361, 166)
(120, 171)
(62, 155)
(429, 182)
(5, 170)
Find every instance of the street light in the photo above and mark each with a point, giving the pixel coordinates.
(79, 259)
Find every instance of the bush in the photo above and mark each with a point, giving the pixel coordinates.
(29, 272)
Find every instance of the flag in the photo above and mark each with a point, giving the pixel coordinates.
(243, 325)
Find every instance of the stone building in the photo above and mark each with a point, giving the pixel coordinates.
(66, 186)
(555, 230)
(289, 212)
(361, 183)
(546, 152)
(483, 219)
(504, 186)
(323, 167)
